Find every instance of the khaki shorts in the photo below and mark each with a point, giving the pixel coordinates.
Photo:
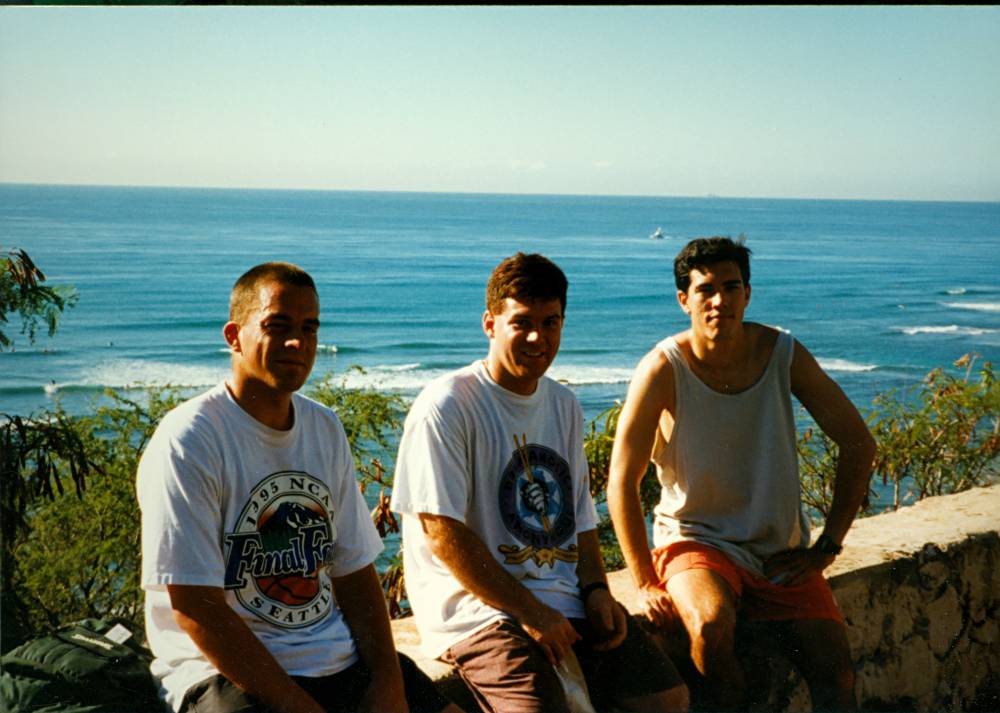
(759, 600)
(508, 672)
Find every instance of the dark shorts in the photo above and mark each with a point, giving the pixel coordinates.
(508, 672)
(339, 692)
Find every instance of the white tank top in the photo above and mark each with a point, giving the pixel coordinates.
(730, 473)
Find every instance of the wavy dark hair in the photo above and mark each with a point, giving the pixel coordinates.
(702, 252)
(526, 278)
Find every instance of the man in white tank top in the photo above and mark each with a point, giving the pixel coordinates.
(711, 406)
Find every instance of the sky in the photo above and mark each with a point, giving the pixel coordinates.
(867, 102)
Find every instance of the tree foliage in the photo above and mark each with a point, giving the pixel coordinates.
(80, 556)
(72, 551)
(75, 553)
(22, 293)
(939, 436)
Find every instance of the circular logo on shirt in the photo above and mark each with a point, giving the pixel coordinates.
(276, 558)
(536, 497)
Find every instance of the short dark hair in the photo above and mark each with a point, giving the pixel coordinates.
(526, 278)
(243, 298)
(702, 252)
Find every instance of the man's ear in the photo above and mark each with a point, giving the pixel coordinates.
(488, 323)
(231, 333)
(682, 300)
(748, 294)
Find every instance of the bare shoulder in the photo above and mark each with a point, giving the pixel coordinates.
(808, 377)
(654, 367)
(652, 386)
(762, 337)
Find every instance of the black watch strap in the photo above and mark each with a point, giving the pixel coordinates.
(590, 588)
(826, 545)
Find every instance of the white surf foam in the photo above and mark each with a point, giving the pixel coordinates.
(844, 365)
(947, 329)
(977, 306)
(956, 291)
(121, 373)
(410, 377)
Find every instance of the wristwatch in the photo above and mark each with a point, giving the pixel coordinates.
(826, 545)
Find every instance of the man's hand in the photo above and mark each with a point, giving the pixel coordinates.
(551, 630)
(658, 607)
(608, 619)
(793, 567)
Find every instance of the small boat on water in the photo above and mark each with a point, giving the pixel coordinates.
(657, 234)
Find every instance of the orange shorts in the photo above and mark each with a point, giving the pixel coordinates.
(757, 599)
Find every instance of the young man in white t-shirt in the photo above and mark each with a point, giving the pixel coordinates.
(257, 547)
(501, 554)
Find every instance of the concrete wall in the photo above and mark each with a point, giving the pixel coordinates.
(920, 590)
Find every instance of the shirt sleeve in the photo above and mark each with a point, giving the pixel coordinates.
(586, 511)
(357, 542)
(432, 467)
(178, 489)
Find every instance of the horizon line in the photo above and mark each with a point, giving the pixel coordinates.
(705, 196)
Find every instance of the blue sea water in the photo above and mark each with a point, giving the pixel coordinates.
(880, 292)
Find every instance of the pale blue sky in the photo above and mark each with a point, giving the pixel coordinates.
(836, 102)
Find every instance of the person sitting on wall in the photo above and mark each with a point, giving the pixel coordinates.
(501, 555)
(258, 549)
(712, 407)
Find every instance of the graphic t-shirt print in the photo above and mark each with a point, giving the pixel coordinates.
(537, 507)
(276, 558)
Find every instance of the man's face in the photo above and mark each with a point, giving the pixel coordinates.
(716, 299)
(524, 339)
(275, 346)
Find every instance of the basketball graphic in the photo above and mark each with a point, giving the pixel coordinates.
(277, 556)
(278, 526)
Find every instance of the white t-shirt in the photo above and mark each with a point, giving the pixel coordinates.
(458, 458)
(268, 515)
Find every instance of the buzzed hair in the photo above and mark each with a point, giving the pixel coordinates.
(526, 278)
(243, 298)
(702, 252)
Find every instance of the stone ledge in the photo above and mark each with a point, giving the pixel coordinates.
(920, 589)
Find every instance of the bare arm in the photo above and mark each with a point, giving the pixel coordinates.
(473, 565)
(839, 419)
(650, 393)
(605, 614)
(230, 646)
(362, 602)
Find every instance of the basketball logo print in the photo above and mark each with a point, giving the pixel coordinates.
(277, 556)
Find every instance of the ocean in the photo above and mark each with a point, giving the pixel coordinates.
(880, 292)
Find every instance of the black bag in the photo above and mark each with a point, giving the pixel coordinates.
(79, 669)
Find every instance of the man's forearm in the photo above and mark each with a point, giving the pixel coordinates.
(227, 642)
(472, 564)
(854, 467)
(362, 602)
(625, 509)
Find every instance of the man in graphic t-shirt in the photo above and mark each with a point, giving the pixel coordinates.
(257, 547)
(501, 556)
(712, 407)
